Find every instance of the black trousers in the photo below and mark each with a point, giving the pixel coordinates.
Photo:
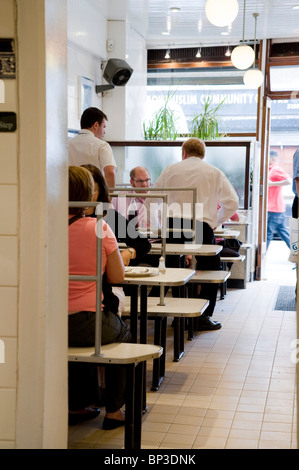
(204, 235)
(83, 377)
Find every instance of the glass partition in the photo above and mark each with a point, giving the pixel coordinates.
(233, 158)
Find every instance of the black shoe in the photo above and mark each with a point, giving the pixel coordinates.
(76, 417)
(110, 423)
(206, 323)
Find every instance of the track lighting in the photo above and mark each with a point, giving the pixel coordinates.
(228, 52)
(167, 55)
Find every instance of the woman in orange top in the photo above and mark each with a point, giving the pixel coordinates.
(82, 306)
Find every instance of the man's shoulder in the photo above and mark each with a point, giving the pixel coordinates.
(81, 137)
(103, 143)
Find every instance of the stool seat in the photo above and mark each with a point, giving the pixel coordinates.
(116, 353)
(216, 277)
(232, 259)
(176, 307)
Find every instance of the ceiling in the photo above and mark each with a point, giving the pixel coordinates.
(190, 26)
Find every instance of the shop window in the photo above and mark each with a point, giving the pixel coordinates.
(284, 78)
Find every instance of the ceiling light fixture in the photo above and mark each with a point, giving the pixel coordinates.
(167, 55)
(175, 9)
(221, 12)
(198, 53)
(253, 78)
(243, 56)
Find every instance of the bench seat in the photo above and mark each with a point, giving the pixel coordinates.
(133, 357)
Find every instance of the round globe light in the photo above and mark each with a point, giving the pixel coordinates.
(253, 78)
(221, 12)
(242, 57)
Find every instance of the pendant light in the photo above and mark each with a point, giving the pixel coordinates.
(253, 78)
(243, 56)
(221, 12)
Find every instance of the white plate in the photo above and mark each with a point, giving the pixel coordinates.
(141, 271)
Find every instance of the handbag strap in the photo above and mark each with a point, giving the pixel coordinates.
(73, 219)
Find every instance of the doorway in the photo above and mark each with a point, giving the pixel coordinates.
(283, 143)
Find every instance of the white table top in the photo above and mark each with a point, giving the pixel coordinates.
(227, 233)
(172, 277)
(182, 249)
(187, 249)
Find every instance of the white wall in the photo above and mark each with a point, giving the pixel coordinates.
(125, 105)
(87, 51)
(86, 32)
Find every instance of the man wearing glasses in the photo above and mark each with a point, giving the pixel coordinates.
(135, 209)
(139, 178)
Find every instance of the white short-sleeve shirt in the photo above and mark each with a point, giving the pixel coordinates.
(85, 149)
(212, 186)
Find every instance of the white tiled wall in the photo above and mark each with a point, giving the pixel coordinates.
(8, 250)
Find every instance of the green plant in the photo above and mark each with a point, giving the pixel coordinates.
(162, 126)
(205, 125)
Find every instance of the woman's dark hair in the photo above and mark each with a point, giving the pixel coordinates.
(90, 116)
(99, 178)
(81, 188)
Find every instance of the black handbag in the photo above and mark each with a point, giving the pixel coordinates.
(231, 247)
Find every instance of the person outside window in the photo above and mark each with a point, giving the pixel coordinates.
(276, 205)
(295, 184)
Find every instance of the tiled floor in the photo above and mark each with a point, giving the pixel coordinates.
(233, 388)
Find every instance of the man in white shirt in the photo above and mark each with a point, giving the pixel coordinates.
(87, 147)
(213, 188)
